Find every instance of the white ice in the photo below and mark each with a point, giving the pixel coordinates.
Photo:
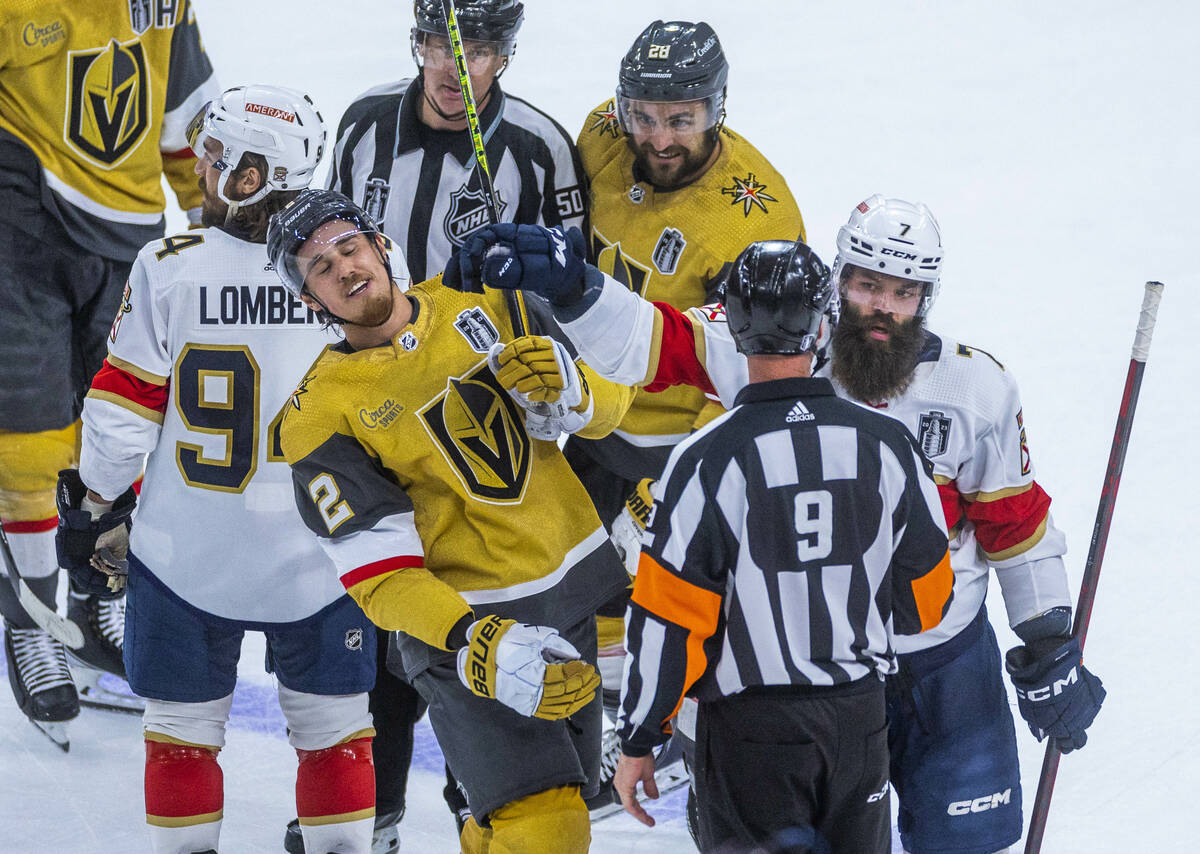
(1057, 145)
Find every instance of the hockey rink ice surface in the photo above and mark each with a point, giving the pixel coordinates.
(1055, 143)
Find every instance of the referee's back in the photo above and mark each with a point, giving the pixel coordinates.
(790, 539)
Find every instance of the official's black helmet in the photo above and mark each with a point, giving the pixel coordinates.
(776, 296)
(478, 20)
(291, 228)
(674, 61)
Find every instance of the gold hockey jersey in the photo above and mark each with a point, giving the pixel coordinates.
(413, 466)
(670, 247)
(94, 100)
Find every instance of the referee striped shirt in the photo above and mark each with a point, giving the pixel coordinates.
(421, 184)
(789, 540)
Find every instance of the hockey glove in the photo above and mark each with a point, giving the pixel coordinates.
(92, 541)
(523, 257)
(628, 527)
(530, 669)
(540, 375)
(1056, 695)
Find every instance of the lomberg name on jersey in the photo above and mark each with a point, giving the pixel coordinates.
(252, 305)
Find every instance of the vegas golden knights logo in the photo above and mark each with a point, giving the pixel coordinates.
(613, 261)
(478, 429)
(109, 111)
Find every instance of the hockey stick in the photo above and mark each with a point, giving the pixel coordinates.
(1091, 570)
(54, 624)
(516, 305)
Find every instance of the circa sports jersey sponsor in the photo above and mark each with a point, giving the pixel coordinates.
(383, 415)
(934, 433)
(749, 192)
(108, 113)
(251, 305)
(477, 427)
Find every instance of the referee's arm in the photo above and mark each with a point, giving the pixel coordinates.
(922, 579)
(675, 608)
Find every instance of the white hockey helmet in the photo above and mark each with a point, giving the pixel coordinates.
(895, 237)
(280, 124)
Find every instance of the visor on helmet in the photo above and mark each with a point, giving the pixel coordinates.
(333, 250)
(434, 50)
(875, 291)
(680, 118)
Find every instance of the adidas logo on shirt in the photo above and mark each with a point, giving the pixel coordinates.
(799, 412)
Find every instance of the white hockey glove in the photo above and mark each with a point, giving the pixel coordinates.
(530, 669)
(628, 527)
(541, 376)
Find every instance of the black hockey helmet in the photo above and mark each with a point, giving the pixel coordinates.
(292, 227)
(775, 297)
(674, 61)
(478, 20)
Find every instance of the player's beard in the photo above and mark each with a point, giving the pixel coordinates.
(377, 310)
(871, 370)
(683, 171)
(212, 210)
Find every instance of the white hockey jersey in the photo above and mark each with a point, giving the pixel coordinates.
(962, 406)
(206, 349)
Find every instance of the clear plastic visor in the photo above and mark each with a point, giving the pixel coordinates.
(220, 140)
(679, 119)
(436, 52)
(337, 253)
(871, 291)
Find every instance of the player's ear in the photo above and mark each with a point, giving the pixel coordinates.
(248, 181)
(310, 302)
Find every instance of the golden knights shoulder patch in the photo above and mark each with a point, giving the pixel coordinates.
(749, 192)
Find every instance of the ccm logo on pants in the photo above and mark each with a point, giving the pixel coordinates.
(987, 802)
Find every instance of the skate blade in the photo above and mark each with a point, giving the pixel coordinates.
(56, 731)
(95, 694)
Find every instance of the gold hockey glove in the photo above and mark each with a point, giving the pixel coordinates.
(530, 669)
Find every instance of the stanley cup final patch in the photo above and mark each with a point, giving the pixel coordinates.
(667, 251)
(375, 198)
(934, 433)
(477, 328)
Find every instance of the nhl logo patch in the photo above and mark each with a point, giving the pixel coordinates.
(668, 249)
(467, 213)
(354, 640)
(475, 326)
(375, 198)
(408, 341)
(636, 193)
(934, 433)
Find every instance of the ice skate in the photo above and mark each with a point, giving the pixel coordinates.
(41, 681)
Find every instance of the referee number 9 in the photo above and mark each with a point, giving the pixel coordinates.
(814, 524)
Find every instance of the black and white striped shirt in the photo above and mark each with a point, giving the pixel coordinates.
(421, 185)
(789, 540)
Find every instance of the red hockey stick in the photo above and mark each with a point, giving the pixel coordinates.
(1091, 570)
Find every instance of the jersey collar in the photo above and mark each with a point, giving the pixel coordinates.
(785, 389)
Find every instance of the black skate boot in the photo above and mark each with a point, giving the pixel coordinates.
(41, 681)
(97, 666)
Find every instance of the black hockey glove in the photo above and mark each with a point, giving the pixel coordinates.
(532, 258)
(92, 549)
(1056, 694)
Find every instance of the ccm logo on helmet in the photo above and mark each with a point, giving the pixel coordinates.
(273, 112)
(904, 256)
(1038, 695)
(987, 802)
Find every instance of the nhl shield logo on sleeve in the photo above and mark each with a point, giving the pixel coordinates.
(934, 433)
(354, 639)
